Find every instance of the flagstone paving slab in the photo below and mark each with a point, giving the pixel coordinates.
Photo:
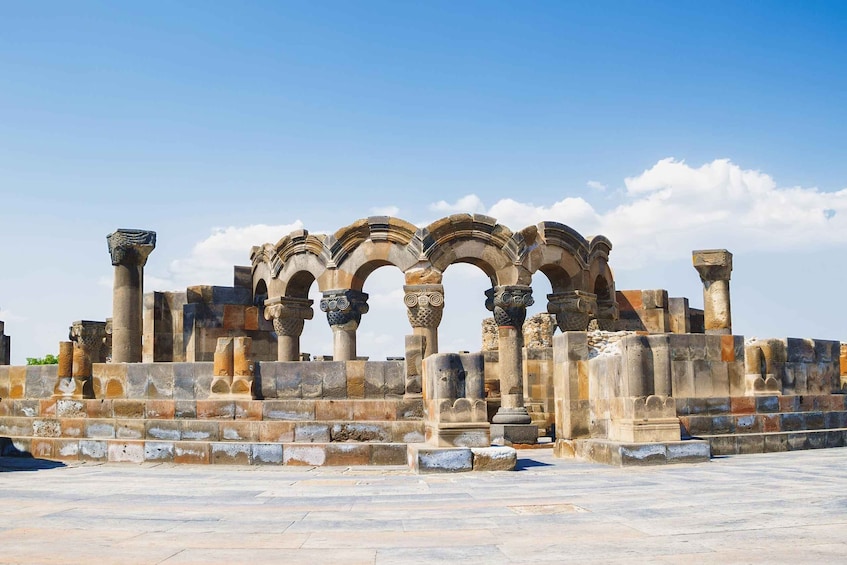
(768, 508)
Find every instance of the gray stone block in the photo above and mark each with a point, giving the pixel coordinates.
(311, 433)
(266, 454)
(136, 379)
(184, 381)
(511, 434)
(160, 381)
(425, 459)
(375, 379)
(334, 383)
(395, 380)
(158, 451)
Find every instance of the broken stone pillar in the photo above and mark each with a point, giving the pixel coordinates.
(715, 268)
(455, 412)
(87, 338)
(5, 346)
(573, 309)
(344, 309)
(415, 354)
(223, 367)
(242, 367)
(425, 305)
(509, 303)
(66, 385)
(289, 316)
(129, 250)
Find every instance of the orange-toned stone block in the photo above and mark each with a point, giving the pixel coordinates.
(742, 405)
(233, 317)
(99, 408)
(727, 348)
(42, 448)
(632, 300)
(238, 430)
(355, 379)
(216, 409)
(193, 452)
(334, 410)
(6, 407)
(770, 423)
(72, 427)
(276, 432)
(374, 410)
(248, 410)
(582, 379)
(160, 409)
(128, 408)
(47, 408)
(17, 382)
(251, 318)
(342, 454)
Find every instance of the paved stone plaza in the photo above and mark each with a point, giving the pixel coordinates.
(766, 508)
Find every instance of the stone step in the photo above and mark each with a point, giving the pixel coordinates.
(763, 423)
(299, 410)
(768, 404)
(206, 452)
(735, 444)
(299, 431)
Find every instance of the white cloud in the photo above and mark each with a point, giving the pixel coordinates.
(596, 185)
(470, 204)
(385, 211)
(672, 208)
(212, 260)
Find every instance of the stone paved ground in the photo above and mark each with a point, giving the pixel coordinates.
(771, 508)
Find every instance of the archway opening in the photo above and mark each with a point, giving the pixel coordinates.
(383, 329)
(464, 308)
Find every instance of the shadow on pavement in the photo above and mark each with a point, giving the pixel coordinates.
(13, 459)
(529, 464)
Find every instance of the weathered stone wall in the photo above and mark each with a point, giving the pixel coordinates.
(192, 381)
(163, 327)
(793, 366)
(652, 311)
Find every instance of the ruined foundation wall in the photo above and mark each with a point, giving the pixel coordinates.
(652, 311)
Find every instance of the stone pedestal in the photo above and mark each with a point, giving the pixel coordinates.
(715, 268)
(87, 338)
(288, 316)
(455, 411)
(344, 309)
(508, 304)
(233, 369)
(425, 306)
(129, 250)
(66, 385)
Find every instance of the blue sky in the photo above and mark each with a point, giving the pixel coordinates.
(666, 125)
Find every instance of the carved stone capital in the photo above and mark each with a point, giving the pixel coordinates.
(573, 309)
(712, 264)
(288, 314)
(607, 315)
(131, 247)
(509, 303)
(424, 304)
(344, 307)
(88, 333)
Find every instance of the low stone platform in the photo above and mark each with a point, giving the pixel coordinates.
(622, 454)
(425, 458)
(762, 424)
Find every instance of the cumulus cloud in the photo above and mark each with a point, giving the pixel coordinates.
(596, 185)
(471, 204)
(211, 260)
(672, 208)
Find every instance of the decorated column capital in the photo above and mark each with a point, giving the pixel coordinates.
(88, 333)
(131, 247)
(509, 303)
(712, 264)
(573, 309)
(424, 304)
(288, 314)
(344, 307)
(607, 314)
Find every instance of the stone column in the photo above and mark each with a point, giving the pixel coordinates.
(509, 303)
(715, 268)
(344, 309)
(573, 309)
(425, 306)
(289, 316)
(87, 337)
(129, 250)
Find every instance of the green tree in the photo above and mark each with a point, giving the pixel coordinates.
(48, 359)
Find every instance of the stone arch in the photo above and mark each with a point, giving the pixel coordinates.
(478, 240)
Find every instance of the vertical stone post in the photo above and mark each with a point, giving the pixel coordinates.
(509, 303)
(573, 309)
(65, 383)
(289, 316)
(129, 250)
(715, 268)
(425, 306)
(87, 338)
(344, 309)
(242, 367)
(223, 367)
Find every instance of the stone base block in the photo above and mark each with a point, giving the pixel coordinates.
(647, 431)
(623, 454)
(474, 434)
(511, 434)
(494, 458)
(430, 459)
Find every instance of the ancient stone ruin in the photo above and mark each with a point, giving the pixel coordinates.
(216, 375)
